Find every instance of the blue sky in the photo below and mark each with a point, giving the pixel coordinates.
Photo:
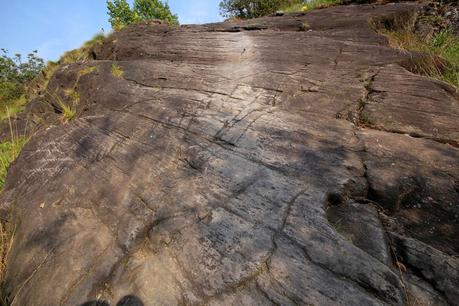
(55, 26)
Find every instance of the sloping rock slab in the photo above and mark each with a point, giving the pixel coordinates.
(204, 173)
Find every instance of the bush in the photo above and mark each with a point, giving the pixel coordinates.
(13, 69)
(253, 8)
(15, 74)
(121, 14)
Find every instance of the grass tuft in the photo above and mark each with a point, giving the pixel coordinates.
(68, 112)
(72, 94)
(117, 71)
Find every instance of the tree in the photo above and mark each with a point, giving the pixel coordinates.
(121, 14)
(253, 8)
(154, 9)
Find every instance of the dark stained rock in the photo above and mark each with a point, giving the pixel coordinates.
(361, 225)
(210, 169)
(417, 181)
(431, 265)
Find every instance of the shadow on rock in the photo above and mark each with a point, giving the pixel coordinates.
(128, 300)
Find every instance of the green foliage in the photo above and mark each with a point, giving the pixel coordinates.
(121, 14)
(253, 8)
(15, 73)
(10, 91)
(14, 69)
(154, 9)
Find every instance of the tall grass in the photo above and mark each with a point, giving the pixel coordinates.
(13, 108)
(441, 50)
(9, 150)
(82, 53)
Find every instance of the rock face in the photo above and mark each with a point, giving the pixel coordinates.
(286, 160)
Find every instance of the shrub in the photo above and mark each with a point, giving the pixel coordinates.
(15, 74)
(253, 8)
(14, 69)
(121, 14)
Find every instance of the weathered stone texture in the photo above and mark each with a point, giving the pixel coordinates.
(215, 169)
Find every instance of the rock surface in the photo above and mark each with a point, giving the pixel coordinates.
(214, 166)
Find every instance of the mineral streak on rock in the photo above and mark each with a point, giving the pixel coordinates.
(242, 163)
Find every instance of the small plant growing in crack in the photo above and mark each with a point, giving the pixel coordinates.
(362, 104)
(68, 112)
(117, 71)
(73, 95)
(87, 70)
(364, 119)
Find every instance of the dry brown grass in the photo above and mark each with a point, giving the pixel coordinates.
(6, 239)
(7, 231)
